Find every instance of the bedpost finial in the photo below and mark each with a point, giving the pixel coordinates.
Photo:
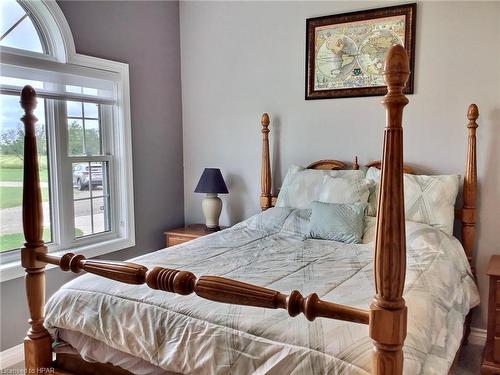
(397, 67)
(265, 120)
(472, 115)
(28, 99)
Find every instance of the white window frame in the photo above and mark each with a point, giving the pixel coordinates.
(61, 49)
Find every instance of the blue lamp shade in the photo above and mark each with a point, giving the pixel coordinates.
(211, 181)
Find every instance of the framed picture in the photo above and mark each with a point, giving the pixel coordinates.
(345, 53)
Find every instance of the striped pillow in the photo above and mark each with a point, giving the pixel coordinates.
(428, 199)
(301, 186)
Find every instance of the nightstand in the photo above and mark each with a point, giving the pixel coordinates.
(491, 356)
(184, 234)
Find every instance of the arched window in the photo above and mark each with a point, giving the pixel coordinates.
(83, 137)
(17, 28)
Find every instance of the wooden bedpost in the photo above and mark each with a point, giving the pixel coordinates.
(388, 312)
(265, 172)
(470, 185)
(37, 344)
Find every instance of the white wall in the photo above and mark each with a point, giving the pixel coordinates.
(240, 59)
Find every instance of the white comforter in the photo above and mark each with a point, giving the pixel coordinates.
(189, 335)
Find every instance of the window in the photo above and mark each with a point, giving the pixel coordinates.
(83, 137)
(17, 28)
(90, 156)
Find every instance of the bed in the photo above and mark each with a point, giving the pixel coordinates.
(251, 340)
(268, 269)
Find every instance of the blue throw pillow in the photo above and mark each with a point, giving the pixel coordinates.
(341, 222)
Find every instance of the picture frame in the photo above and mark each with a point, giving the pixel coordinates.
(345, 53)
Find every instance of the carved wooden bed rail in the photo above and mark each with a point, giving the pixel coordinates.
(213, 288)
(387, 314)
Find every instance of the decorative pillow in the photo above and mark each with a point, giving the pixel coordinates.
(428, 199)
(343, 190)
(301, 186)
(341, 222)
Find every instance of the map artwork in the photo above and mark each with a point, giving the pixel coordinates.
(351, 55)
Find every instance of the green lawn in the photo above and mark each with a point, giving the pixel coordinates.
(13, 196)
(11, 168)
(11, 174)
(10, 161)
(16, 240)
(14, 162)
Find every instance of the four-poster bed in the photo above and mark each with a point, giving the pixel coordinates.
(387, 314)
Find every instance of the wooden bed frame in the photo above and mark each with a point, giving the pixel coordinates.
(387, 314)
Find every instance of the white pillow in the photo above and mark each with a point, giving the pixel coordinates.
(301, 186)
(428, 199)
(343, 190)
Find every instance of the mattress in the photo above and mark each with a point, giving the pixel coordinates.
(156, 331)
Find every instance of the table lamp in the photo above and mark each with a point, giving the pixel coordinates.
(212, 183)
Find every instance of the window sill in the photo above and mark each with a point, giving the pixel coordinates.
(14, 270)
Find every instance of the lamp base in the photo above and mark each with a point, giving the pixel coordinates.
(212, 207)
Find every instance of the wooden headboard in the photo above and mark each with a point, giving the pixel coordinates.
(466, 215)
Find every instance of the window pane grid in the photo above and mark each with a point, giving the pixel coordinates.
(84, 128)
(91, 198)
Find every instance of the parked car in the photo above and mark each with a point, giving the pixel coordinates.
(82, 177)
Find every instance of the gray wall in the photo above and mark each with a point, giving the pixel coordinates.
(146, 36)
(240, 59)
